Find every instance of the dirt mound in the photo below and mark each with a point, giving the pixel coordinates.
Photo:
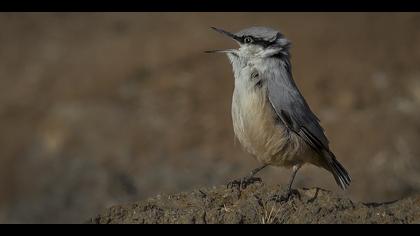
(255, 204)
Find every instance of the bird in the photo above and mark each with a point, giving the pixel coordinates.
(271, 118)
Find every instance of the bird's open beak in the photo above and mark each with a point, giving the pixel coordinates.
(230, 35)
(220, 51)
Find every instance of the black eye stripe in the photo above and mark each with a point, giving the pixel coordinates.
(258, 41)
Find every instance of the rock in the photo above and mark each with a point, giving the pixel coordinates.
(255, 204)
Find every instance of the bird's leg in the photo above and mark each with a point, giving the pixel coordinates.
(286, 196)
(244, 182)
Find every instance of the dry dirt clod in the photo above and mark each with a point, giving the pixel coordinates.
(256, 206)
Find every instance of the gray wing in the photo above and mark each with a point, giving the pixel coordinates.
(293, 110)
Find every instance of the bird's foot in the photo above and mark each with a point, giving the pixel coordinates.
(243, 182)
(285, 197)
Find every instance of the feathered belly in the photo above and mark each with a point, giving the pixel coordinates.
(257, 130)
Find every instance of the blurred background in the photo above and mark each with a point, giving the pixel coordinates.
(98, 109)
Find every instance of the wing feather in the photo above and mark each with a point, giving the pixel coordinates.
(294, 112)
(292, 108)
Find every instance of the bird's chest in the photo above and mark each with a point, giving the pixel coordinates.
(252, 114)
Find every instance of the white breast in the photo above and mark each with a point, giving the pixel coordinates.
(253, 117)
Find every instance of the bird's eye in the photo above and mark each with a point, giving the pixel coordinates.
(248, 40)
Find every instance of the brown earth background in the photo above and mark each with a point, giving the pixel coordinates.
(99, 109)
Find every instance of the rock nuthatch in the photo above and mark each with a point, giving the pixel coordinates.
(271, 119)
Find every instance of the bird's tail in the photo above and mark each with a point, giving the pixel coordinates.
(340, 174)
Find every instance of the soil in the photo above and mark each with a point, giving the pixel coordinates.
(259, 204)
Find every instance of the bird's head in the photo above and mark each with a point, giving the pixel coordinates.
(255, 42)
